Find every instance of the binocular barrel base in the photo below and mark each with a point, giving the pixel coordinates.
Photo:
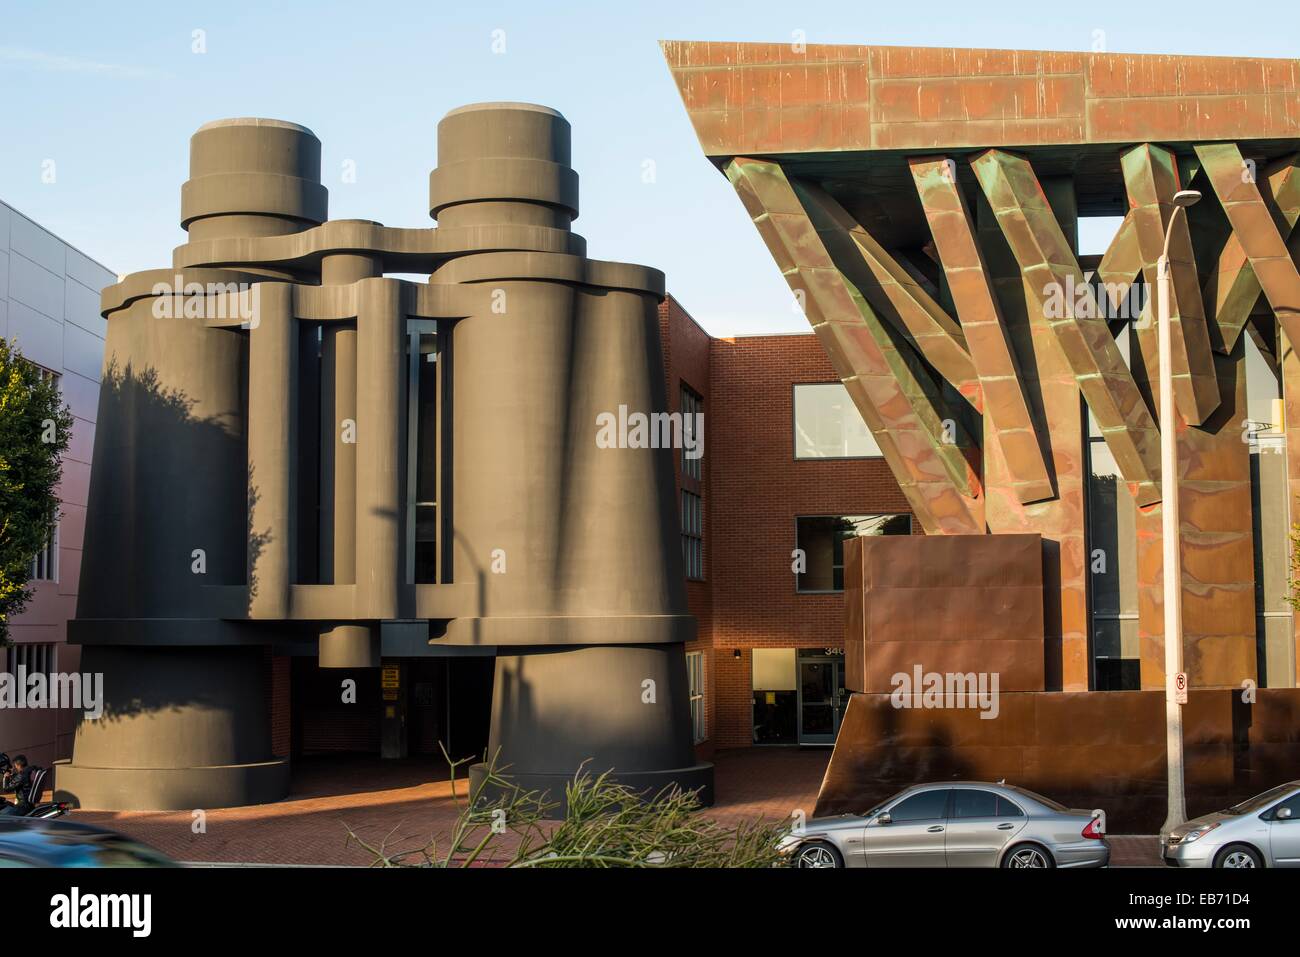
(171, 789)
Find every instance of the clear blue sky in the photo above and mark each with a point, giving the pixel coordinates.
(111, 93)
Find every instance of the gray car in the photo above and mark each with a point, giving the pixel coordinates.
(1263, 831)
(955, 824)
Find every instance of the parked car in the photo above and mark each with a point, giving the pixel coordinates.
(954, 824)
(1263, 831)
(37, 842)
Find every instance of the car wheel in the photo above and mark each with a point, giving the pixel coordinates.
(1238, 855)
(818, 854)
(1028, 855)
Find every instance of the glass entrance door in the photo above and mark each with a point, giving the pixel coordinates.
(820, 699)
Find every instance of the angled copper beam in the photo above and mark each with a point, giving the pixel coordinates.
(1051, 271)
(1232, 289)
(892, 290)
(981, 318)
(890, 386)
(1151, 176)
(1121, 263)
(1256, 230)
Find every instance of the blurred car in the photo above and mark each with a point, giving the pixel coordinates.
(35, 842)
(1263, 831)
(954, 824)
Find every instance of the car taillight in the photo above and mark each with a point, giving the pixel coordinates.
(1092, 830)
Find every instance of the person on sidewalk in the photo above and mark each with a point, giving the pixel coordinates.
(18, 782)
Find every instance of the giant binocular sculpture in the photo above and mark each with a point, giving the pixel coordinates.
(296, 451)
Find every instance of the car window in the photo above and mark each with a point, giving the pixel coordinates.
(1260, 801)
(1008, 808)
(926, 806)
(885, 803)
(967, 802)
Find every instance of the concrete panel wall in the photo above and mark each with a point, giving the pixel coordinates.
(49, 309)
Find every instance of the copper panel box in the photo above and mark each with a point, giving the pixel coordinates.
(943, 604)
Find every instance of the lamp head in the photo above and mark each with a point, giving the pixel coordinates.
(1187, 197)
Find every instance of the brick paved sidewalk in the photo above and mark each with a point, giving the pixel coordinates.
(406, 803)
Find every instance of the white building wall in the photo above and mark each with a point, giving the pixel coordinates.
(49, 309)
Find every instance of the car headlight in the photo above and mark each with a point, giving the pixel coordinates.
(1196, 833)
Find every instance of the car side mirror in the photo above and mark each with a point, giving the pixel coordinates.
(1283, 814)
(883, 818)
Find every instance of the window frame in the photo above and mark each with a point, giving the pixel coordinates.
(695, 695)
(50, 551)
(794, 431)
(839, 591)
(945, 814)
(413, 332)
(49, 557)
(952, 807)
(692, 533)
(692, 469)
(1017, 810)
(38, 657)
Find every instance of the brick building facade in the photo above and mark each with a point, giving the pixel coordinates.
(754, 489)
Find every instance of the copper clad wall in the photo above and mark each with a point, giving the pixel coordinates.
(969, 171)
(948, 603)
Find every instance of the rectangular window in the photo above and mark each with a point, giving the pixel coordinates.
(45, 374)
(695, 676)
(1112, 521)
(45, 566)
(820, 540)
(423, 437)
(692, 406)
(36, 658)
(827, 425)
(693, 535)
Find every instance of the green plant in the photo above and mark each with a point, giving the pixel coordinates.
(605, 824)
(34, 430)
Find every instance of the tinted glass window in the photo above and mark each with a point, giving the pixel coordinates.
(967, 803)
(1008, 809)
(821, 538)
(926, 806)
(1260, 801)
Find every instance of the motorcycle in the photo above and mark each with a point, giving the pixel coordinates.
(46, 810)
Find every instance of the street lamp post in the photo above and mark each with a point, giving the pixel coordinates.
(1173, 586)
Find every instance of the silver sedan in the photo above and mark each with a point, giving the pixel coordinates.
(1263, 831)
(955, 824)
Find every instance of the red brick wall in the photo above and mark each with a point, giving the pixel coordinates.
(754, 489)
(323, 723)
(686, 360)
